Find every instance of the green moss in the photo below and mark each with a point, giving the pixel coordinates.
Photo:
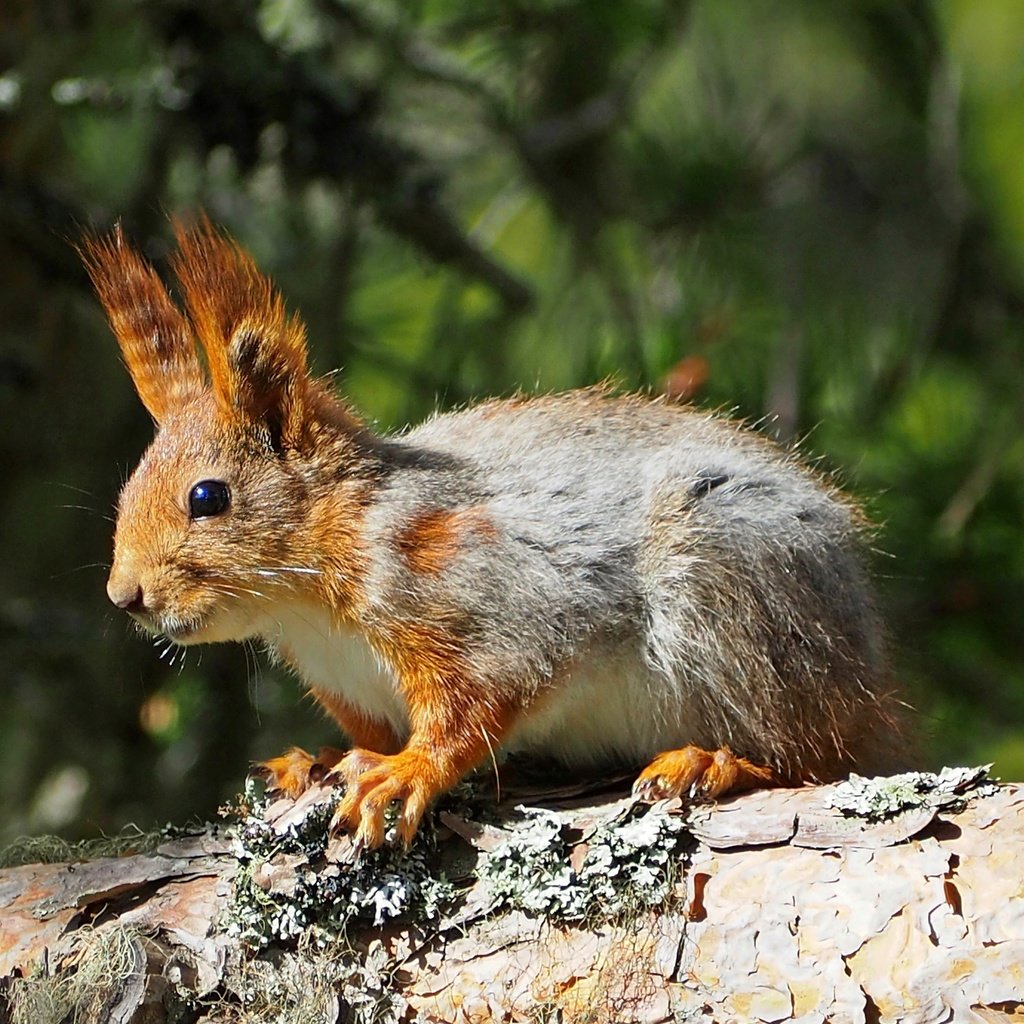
(55, 850)
(94, 973)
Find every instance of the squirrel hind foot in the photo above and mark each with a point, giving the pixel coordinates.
(295, 770)
(697, 775)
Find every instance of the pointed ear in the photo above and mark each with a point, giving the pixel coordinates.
(255, 351)
(155, 337)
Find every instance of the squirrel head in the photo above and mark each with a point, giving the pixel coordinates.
(254, 480)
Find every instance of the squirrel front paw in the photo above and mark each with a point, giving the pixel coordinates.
(697, 774)
(295, 771)
(373, 782)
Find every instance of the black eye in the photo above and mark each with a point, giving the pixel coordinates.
(208, 498)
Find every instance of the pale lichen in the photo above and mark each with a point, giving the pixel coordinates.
(883, 797)
(285, 888)
(626, 863)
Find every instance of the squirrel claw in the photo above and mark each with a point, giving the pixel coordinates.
(697, 775)
(373, 783)
(358, 845)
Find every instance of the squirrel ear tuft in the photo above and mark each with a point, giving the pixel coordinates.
(154, 335)
(255, 351)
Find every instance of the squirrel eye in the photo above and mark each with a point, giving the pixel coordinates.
(208, 498)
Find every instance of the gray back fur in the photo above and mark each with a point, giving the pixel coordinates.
(663, 570)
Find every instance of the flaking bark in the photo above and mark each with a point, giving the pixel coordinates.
(904, 907)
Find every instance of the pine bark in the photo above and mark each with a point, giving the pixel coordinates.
(780, 908)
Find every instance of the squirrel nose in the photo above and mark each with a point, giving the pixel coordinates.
(127, 597)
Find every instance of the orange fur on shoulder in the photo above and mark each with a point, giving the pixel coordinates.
(431, 540)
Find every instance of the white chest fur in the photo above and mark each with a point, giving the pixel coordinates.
(335, 657)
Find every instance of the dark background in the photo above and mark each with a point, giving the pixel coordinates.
(807, 211)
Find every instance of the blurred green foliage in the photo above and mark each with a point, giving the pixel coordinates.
(810, 212)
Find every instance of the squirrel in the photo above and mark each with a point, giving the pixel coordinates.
(589, 577)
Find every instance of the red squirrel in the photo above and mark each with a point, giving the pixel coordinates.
(594, 578)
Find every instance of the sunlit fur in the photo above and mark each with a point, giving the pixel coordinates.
(155, 338)
(592, 578)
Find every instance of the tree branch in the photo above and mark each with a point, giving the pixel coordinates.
(777, 905)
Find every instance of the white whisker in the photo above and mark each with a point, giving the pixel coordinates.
(274, 570)
(252, 673)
